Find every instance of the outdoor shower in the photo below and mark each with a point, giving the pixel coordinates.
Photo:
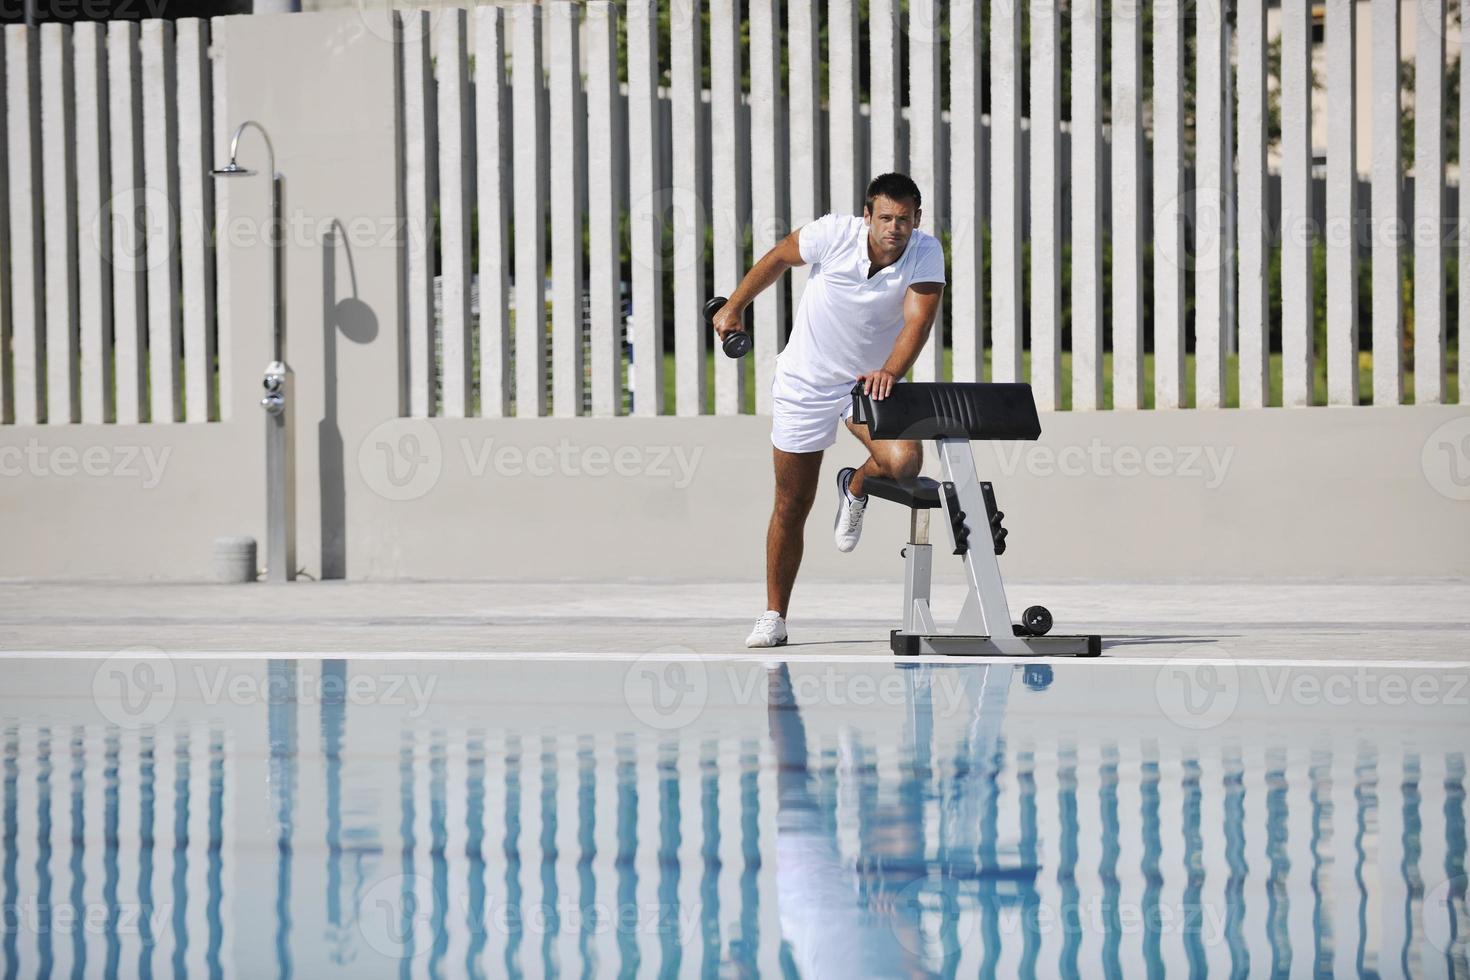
(279, 451)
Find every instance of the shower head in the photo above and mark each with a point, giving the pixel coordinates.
(232, 169)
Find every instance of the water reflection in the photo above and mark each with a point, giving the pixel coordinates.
(791, 840)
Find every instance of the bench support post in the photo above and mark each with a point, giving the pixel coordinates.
(918, 566)
(986, 601)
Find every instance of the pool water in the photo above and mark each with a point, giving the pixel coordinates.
(679, 816)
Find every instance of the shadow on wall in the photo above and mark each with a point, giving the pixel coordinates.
(356, 321)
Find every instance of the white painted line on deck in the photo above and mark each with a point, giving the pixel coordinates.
(572, 656)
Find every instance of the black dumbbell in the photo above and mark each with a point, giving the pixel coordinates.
(736, 343)
(1035, 621)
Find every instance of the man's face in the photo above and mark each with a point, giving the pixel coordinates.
(890, 223)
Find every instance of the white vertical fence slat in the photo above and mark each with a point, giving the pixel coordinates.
(1298, 306)
(6, 388)
(1127, 191)
(94, 242)
(567, 172)
(530, 214)
(1342, 201)
(602, 204)
(196, 211)
(1209, 208)
(803, 130)
(1464, 235)
(1087, 228)
(1251, 214)
(6, 391)
(844, 194)
(1168, 204)
(219, 141)
(883, 86)
(767, 213)
(646, 189)
(1428, 226)
(967, 271)
(129, 293)
(924, 154)
(24, 157)
(690, 348)
(161, 179)
(456, 202)
(1046, 204)
(1388, 313)
(419, 180)
(727, 181)
(59, 226)
(1005, 201)
(492, 176)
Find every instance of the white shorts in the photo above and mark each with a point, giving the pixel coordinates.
(804, 417)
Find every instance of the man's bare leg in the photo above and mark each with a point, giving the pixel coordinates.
(797, 475)
(891, 458)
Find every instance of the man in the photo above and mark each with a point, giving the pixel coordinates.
(867, 309)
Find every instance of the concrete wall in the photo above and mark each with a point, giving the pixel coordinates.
(1144, 495)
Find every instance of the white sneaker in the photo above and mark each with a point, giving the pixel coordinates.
(849, 524)
(770, 631)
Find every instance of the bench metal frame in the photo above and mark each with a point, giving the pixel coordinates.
(983, 627)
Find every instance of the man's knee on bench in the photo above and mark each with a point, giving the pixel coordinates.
(900, 463)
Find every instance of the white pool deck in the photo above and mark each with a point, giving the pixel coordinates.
(1394, 621)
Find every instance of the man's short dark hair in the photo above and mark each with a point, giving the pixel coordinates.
(895, 187)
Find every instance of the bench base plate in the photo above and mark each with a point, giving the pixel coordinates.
(951, 645)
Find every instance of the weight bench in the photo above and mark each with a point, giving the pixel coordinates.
(953, 415)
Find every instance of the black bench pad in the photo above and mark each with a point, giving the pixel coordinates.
(919, 492)
(956, 410)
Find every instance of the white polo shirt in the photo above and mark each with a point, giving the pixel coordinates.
(846, 323)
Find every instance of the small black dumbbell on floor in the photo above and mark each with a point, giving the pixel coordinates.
(1035, 621)
(736, 343)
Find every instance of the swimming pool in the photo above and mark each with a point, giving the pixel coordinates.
(679, 815)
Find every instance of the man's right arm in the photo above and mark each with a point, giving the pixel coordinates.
(773, 265)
